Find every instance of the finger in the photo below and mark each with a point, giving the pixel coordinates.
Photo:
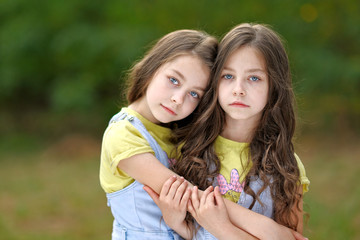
(180, 192)
(298, 236)
(174, 187)
(191, 208)
(167, 185)
(210, 199)
(218, 198)
(153, 194)
(185, 198)
(195, 198)
(205, 195)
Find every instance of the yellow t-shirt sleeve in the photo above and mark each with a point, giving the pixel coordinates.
(305, 182)
(123, 140)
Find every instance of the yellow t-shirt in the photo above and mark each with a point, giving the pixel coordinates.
(122, 140)
(233, 158)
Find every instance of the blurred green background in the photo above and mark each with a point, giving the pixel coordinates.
(61, 69)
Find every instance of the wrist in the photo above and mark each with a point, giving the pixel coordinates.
(183, 230)
(230, 232)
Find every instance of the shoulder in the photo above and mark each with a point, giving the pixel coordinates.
(122, 132)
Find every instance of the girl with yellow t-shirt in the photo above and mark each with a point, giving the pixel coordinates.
(242, 143)
(166, 86)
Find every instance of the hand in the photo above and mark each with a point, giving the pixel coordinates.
(210, 211)
(172, 202)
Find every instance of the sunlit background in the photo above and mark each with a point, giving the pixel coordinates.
(61, 74)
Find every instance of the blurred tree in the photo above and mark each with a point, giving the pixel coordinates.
(68, 58)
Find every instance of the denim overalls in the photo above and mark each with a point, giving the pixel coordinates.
(245, 200)
(136, 216)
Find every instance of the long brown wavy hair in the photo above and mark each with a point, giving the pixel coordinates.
(271, 151)
(172, 45)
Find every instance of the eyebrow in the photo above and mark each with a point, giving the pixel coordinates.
(182, 77)
(252, 70)
(179, 73)
(256, 70)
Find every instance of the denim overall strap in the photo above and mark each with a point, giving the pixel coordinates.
(136, 216)
(159, 153)
(267, 209)
(245, 199)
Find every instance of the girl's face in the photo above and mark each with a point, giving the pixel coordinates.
(244, 85)
(175, 89)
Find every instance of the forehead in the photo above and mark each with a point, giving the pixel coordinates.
(246, 57)
(189, 68)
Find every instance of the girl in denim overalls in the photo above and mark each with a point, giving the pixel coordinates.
(164, 87)
(244, 137)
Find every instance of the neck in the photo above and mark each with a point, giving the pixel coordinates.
(141, 106)
(239, 130)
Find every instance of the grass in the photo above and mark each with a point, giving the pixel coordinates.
(334, 196)
(53, 192)
(48, 195)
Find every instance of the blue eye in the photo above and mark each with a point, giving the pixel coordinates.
(194, 94)
(254, 79)
(228, 76)
(174, 81)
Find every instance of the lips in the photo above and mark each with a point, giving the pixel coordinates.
(239, 104)
(169, 110)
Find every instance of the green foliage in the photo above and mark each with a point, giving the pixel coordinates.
(69, 56)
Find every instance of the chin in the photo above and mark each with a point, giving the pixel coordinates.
(164, 120)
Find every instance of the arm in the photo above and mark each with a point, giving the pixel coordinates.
(212, 216)
(243, 219)
(259, 225)
(172, 202)
(146, 169)
(210, 212)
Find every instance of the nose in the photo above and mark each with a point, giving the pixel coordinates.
(239, 89)
(177, 98)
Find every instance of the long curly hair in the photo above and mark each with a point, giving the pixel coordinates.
(271, 151)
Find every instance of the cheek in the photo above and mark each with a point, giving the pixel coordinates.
(222, 90)
(151, 93)
(263, 98)
(221, 100)
(192, 104)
